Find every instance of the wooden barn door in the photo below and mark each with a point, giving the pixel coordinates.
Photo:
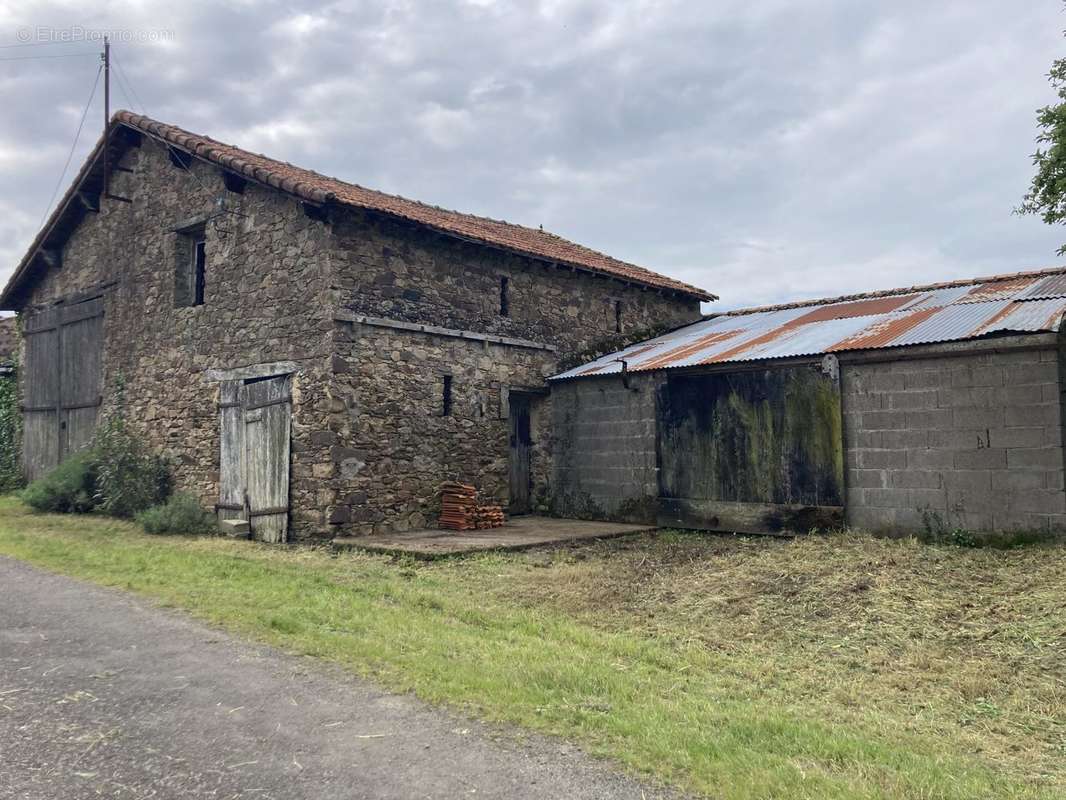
(63, 378)
(521, 446)
(231, 484)
(757, 452)
(267, 422)
(256, 421)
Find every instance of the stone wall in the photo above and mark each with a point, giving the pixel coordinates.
(604, 460)
(368, 449)
(390, 269)
(267, 299)
(968, 437)
(392, 445)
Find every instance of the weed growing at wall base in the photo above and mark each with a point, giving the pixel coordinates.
(182, 513)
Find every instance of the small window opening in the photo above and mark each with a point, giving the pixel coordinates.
(617, 316)
(505, 299)
(199, 269)
(191, 267)
(446, 405)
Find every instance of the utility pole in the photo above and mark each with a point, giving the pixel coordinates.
(107, 113)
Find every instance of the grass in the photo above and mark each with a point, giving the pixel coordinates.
(842, 667)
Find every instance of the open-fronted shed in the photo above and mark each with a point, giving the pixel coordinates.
(923, 407)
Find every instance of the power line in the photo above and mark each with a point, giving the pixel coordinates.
(121, 74)
(37, 58)
(39, 44)
(125, 84)
(73, 146)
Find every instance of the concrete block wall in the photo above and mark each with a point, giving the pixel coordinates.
(604, 459)
(963, 438)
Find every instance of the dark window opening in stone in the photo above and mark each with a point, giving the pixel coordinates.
(505, 299)
(179, 158)
(446, 406)
(199, 268)
(191, 267)
(617, 316)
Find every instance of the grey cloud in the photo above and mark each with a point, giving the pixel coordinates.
(765, 150)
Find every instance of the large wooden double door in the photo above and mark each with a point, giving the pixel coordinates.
(62, 376)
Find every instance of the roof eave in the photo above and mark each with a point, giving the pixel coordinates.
(11, 301)
(9, 296)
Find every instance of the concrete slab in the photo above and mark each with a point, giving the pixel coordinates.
(518, 534)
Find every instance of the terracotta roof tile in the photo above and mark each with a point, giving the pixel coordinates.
(317, 188)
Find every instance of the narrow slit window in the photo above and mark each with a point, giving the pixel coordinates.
(446, 397)
(199, 269)
(617, 316)
(505, 298)
(190, 274)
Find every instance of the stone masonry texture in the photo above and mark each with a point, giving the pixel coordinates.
(392, 444)
(267, 299)
(369, 444)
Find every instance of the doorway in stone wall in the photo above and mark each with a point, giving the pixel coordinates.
(521, 447)
(256, 424)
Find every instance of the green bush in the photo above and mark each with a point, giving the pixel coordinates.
(129, 479)
(180, 514)
(116, 476)
(69, 488)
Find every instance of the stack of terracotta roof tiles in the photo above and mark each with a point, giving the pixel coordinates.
(460, 510)
(488, 517)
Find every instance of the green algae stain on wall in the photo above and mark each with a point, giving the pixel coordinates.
(769, 436)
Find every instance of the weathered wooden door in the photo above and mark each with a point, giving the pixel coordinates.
(521, 446)
(63, 379)
(231, 483)
(256, 420)
(758, 451)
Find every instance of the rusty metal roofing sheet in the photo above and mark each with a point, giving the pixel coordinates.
(1029, 303)
(1051, 286)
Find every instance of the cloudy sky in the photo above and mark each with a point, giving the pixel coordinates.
(763, 149)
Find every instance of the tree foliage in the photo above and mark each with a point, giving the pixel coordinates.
(1047, 192)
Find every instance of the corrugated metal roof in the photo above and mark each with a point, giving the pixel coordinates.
(1025, 303)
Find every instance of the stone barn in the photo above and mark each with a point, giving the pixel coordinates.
(929, 408)
(313, 354)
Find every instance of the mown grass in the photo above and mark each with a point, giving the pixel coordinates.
(845, 667)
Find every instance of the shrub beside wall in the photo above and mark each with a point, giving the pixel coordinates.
(182, 513)
(68, 489)
(128, 478)
(116, 476)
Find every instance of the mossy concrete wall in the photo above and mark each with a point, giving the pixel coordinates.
(959, 435)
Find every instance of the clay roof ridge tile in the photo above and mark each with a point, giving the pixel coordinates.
(304, 182)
